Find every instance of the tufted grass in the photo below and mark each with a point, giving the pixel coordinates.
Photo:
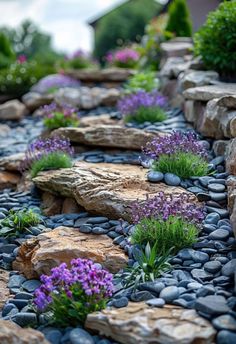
(147, 114)
(51, 161)
(184, 165)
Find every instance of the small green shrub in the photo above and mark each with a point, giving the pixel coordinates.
(51, 161)
(175, 233)
(59, 120)
(146, 81)
(147, 114)
(184, 165)
(18, 222)
(148, 267)
(179, 22)
(215, 42)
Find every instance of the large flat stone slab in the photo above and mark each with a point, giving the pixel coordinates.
(10, 333)
(101, 75)
(104, 189)
(139, 323)
(38, 256)
(206, 93)
(107, 136)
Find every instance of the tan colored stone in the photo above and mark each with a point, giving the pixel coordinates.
(89, 121)
(38, 256)
(107, 136)
(231, 157)
(193, 78)
(34, 100)
(51, 204)
(4, 290)
(173, 66)
(101, 75)
(11, 333)
(228, 101)
(219, 147)
(8, 179)
(176, 49)
(70, 206)
(12, 162)
(231, 186)
(206, 93)
(110, 97)
(12, 110)
(139, 323)
(105, 189)
(232, 126)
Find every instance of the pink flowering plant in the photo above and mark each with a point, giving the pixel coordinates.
(180, 153)
(123, 58)
(168, 222)
(143, 106)
(71, 293)
(48, 154)
(56, 116)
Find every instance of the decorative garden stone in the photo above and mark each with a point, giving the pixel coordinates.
(12, 110)
(4, 291)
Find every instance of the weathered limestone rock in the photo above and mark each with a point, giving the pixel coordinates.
(193, 111)
(4, 290)
(231, 185)
(89, 121)
(173, 67)
(139, 323)
(101, 75)
(231, 157)
(193, 78)
(206, 93)
(8, 179)
(12, 110)
(176, 48)
(51, 204)
(34, 100)
(107, 136)
(38, 256)
(10, 333)
(12, 162)
(228, 101)
(105, 189)
(70, 206)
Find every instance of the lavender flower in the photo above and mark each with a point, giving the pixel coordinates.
(163, 206)
(83, 284)
(53, 82)
(130, 104)
(44, 147)
(177, 142)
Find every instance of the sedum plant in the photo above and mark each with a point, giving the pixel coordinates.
(60, 116)
(18, 222)
(71, 293)
(143, 106)
(179, 153)
(167, 222)
(49, 154)
(148, 267)
(146, 81)
(215, 42)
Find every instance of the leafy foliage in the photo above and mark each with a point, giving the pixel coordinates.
(6, 53)
(148, 267)
(147, 114)
(18, 222)
(146, 81)
(72, 293)
(215, 42)
(60, 116)
(175, 233)
(179, 21)
(51, 161)
(124, 24)
(184, 165)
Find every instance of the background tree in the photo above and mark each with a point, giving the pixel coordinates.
(6, 53)
(179, 19)
(124, 24)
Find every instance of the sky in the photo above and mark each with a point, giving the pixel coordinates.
(65, 20)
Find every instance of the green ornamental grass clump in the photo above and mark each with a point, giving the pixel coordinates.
(179, 22)
(178, 153)
(49, 154)
(18, 222)
(146, 81)
(215, 42)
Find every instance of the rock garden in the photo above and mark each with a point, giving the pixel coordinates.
(118, 198)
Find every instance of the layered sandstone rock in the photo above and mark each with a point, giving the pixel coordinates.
(105, 119)
(12, 162)
(139, 323)
(104, 189)
(101, 75)
(10, 333)
(206, 93)
(4, 290)
(38, 256)
(8, 180)
(107, 136)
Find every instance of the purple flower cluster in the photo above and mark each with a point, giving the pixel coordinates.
(123, 56)
(42, 147)
(83, 273)
(130, 104)
(66, 109)
(163, 206)
(184, 142)
(54, 81)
